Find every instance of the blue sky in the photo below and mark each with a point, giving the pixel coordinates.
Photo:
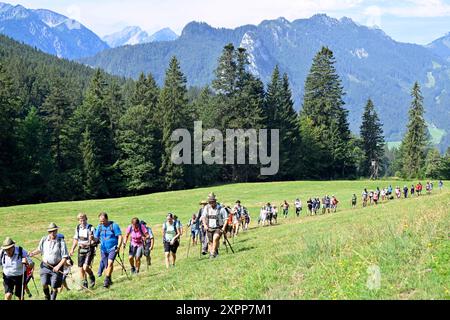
(415, 21)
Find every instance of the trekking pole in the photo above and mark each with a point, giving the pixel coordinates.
(59, 271)
(123, 266)
(189, 244)
(226, 239)
(23, 282)
(32, 278)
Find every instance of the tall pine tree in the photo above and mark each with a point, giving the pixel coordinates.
(323, 104)
(372, 139)
(98, 146)
(281, 115)
(173, 106)
(415, 140)
(9, 109)
(138, 139)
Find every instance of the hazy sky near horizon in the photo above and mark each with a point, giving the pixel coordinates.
(415, 21)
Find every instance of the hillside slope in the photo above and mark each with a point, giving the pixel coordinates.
(320, 257)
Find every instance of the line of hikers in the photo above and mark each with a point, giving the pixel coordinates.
(388, 193)
(211, 223)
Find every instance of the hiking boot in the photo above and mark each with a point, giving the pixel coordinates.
(204, 253)
(107, 282)
(30, 295)
(92, 281)
(84, 284)
(133, 270)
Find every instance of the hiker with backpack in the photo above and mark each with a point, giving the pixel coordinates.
(138, 235)
(354, 199)
(310, 205)
(148, 243)
(109, 235)
(247, 218)
(54, 255)
(285, 206)
(194, 224)
(365, 196)
(171, 235)
(84, 239)
(14, 260)
(214, 221)
(203, 236)
(239, 216)
(298, 207)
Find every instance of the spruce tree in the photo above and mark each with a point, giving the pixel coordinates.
(323, 104)
(415, 140)
(56, 111)
(281, 115)
(138, 139)
(9, 109)
(98, 140)
(372, 140)
(173, 104)
(433, 164)
(225, 81)
(36, 164)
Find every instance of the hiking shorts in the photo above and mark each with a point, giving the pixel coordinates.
(13, 285)
(147, 248)
(171, 248)
(136, 252)
(111, 255)
(85, 257)
(212, 232)
(50, 278)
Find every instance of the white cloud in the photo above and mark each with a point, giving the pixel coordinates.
(373, 14)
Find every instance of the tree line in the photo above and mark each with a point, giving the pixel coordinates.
(111, 137)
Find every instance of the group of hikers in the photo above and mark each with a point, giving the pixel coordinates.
(388, 193)
(268, 214)
(212, 221)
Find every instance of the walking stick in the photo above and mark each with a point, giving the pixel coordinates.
(123, 258)
(122, 265)
(59, 271)
(32, 278)
(229, 243)
(23, 282)
(189, 244)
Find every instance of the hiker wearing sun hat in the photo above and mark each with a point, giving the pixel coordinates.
(214, 221)
(13, 260)
(54, 253)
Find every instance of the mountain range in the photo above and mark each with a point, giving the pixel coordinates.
(370, 63)
(135, 35)
(49, 31)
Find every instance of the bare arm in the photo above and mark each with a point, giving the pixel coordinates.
(74, 245)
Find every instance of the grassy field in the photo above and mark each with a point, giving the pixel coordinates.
(322, 257)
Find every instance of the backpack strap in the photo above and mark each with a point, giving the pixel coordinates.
(20, 253)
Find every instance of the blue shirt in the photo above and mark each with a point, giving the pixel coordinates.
(109, 236)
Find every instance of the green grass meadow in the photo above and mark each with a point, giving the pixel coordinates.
(321, 257)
